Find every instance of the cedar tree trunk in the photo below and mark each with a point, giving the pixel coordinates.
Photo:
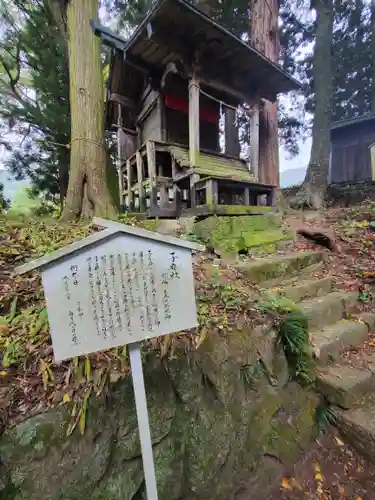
(314, 186)
(265, 37)
(88, 155)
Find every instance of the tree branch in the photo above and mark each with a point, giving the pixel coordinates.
(13, 81)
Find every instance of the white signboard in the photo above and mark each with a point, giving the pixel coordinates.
(116, 287)
(120, 290)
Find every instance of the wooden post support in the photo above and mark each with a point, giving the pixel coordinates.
(271, 198)
(151, 162)
(372, 154)
(193, 192)
(212, 192)
(193, 121)
(254, 139)
(176, 188)
(141, 189)
(163, 118)
(246, 197)
(164, 197)
(130, 192)
(253, 198)
(232, 142)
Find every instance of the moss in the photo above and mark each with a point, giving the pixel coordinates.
(7, 490)
(213, 165)
(34, 436)
(150, 224)
(235, 234)
(270, 268)
(123, 481)
(294, 427)
(235, 209)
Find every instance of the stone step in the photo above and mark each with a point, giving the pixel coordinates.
(357, 426)
(344, 384)
(261, 270)
(306, 289)
(327, 310)
(306, 273)
(331, 341)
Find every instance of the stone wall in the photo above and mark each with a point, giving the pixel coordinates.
(350, 194)
(224, 420)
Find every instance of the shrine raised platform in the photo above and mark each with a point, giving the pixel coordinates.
(160, 181)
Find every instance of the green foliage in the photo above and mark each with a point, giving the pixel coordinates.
(4, 203)
(293, 335)
(24, 202)
(272, 303)
(35, 97)
(251, 373)
(325, 416)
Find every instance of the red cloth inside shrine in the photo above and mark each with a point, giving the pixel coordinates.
(181, 104)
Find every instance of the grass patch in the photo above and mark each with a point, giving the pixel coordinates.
(292, 334)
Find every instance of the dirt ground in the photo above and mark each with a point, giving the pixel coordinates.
(331, 470)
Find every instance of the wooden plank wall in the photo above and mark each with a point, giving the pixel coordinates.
(151, 126)
(350, 154)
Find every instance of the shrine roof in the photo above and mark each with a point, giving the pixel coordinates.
(175, 30)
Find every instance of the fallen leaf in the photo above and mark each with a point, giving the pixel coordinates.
(66, 398)
(286, 484)
(295, 484)
(339, 442)
(4, 330)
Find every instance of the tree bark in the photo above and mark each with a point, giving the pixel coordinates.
(314, 186)
(373, 54)
(88, 154)
(264, 36)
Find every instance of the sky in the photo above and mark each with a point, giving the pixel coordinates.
(302, 160)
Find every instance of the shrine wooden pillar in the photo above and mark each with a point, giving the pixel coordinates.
(140, 178)
(193, 133)
(232, 142)
(130, 182)
(151, 163)
(254, 137)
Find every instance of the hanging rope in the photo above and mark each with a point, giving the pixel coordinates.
(68, 146)
(222, 103)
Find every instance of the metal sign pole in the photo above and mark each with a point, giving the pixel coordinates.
(143, 422)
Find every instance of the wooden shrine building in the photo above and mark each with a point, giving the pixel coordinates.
(352, 150)
(166, 88)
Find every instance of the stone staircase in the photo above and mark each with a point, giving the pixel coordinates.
(335, 326)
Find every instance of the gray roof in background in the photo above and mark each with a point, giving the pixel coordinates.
(352, 121)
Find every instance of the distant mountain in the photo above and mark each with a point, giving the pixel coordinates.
(292, 176)
(10, 185)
